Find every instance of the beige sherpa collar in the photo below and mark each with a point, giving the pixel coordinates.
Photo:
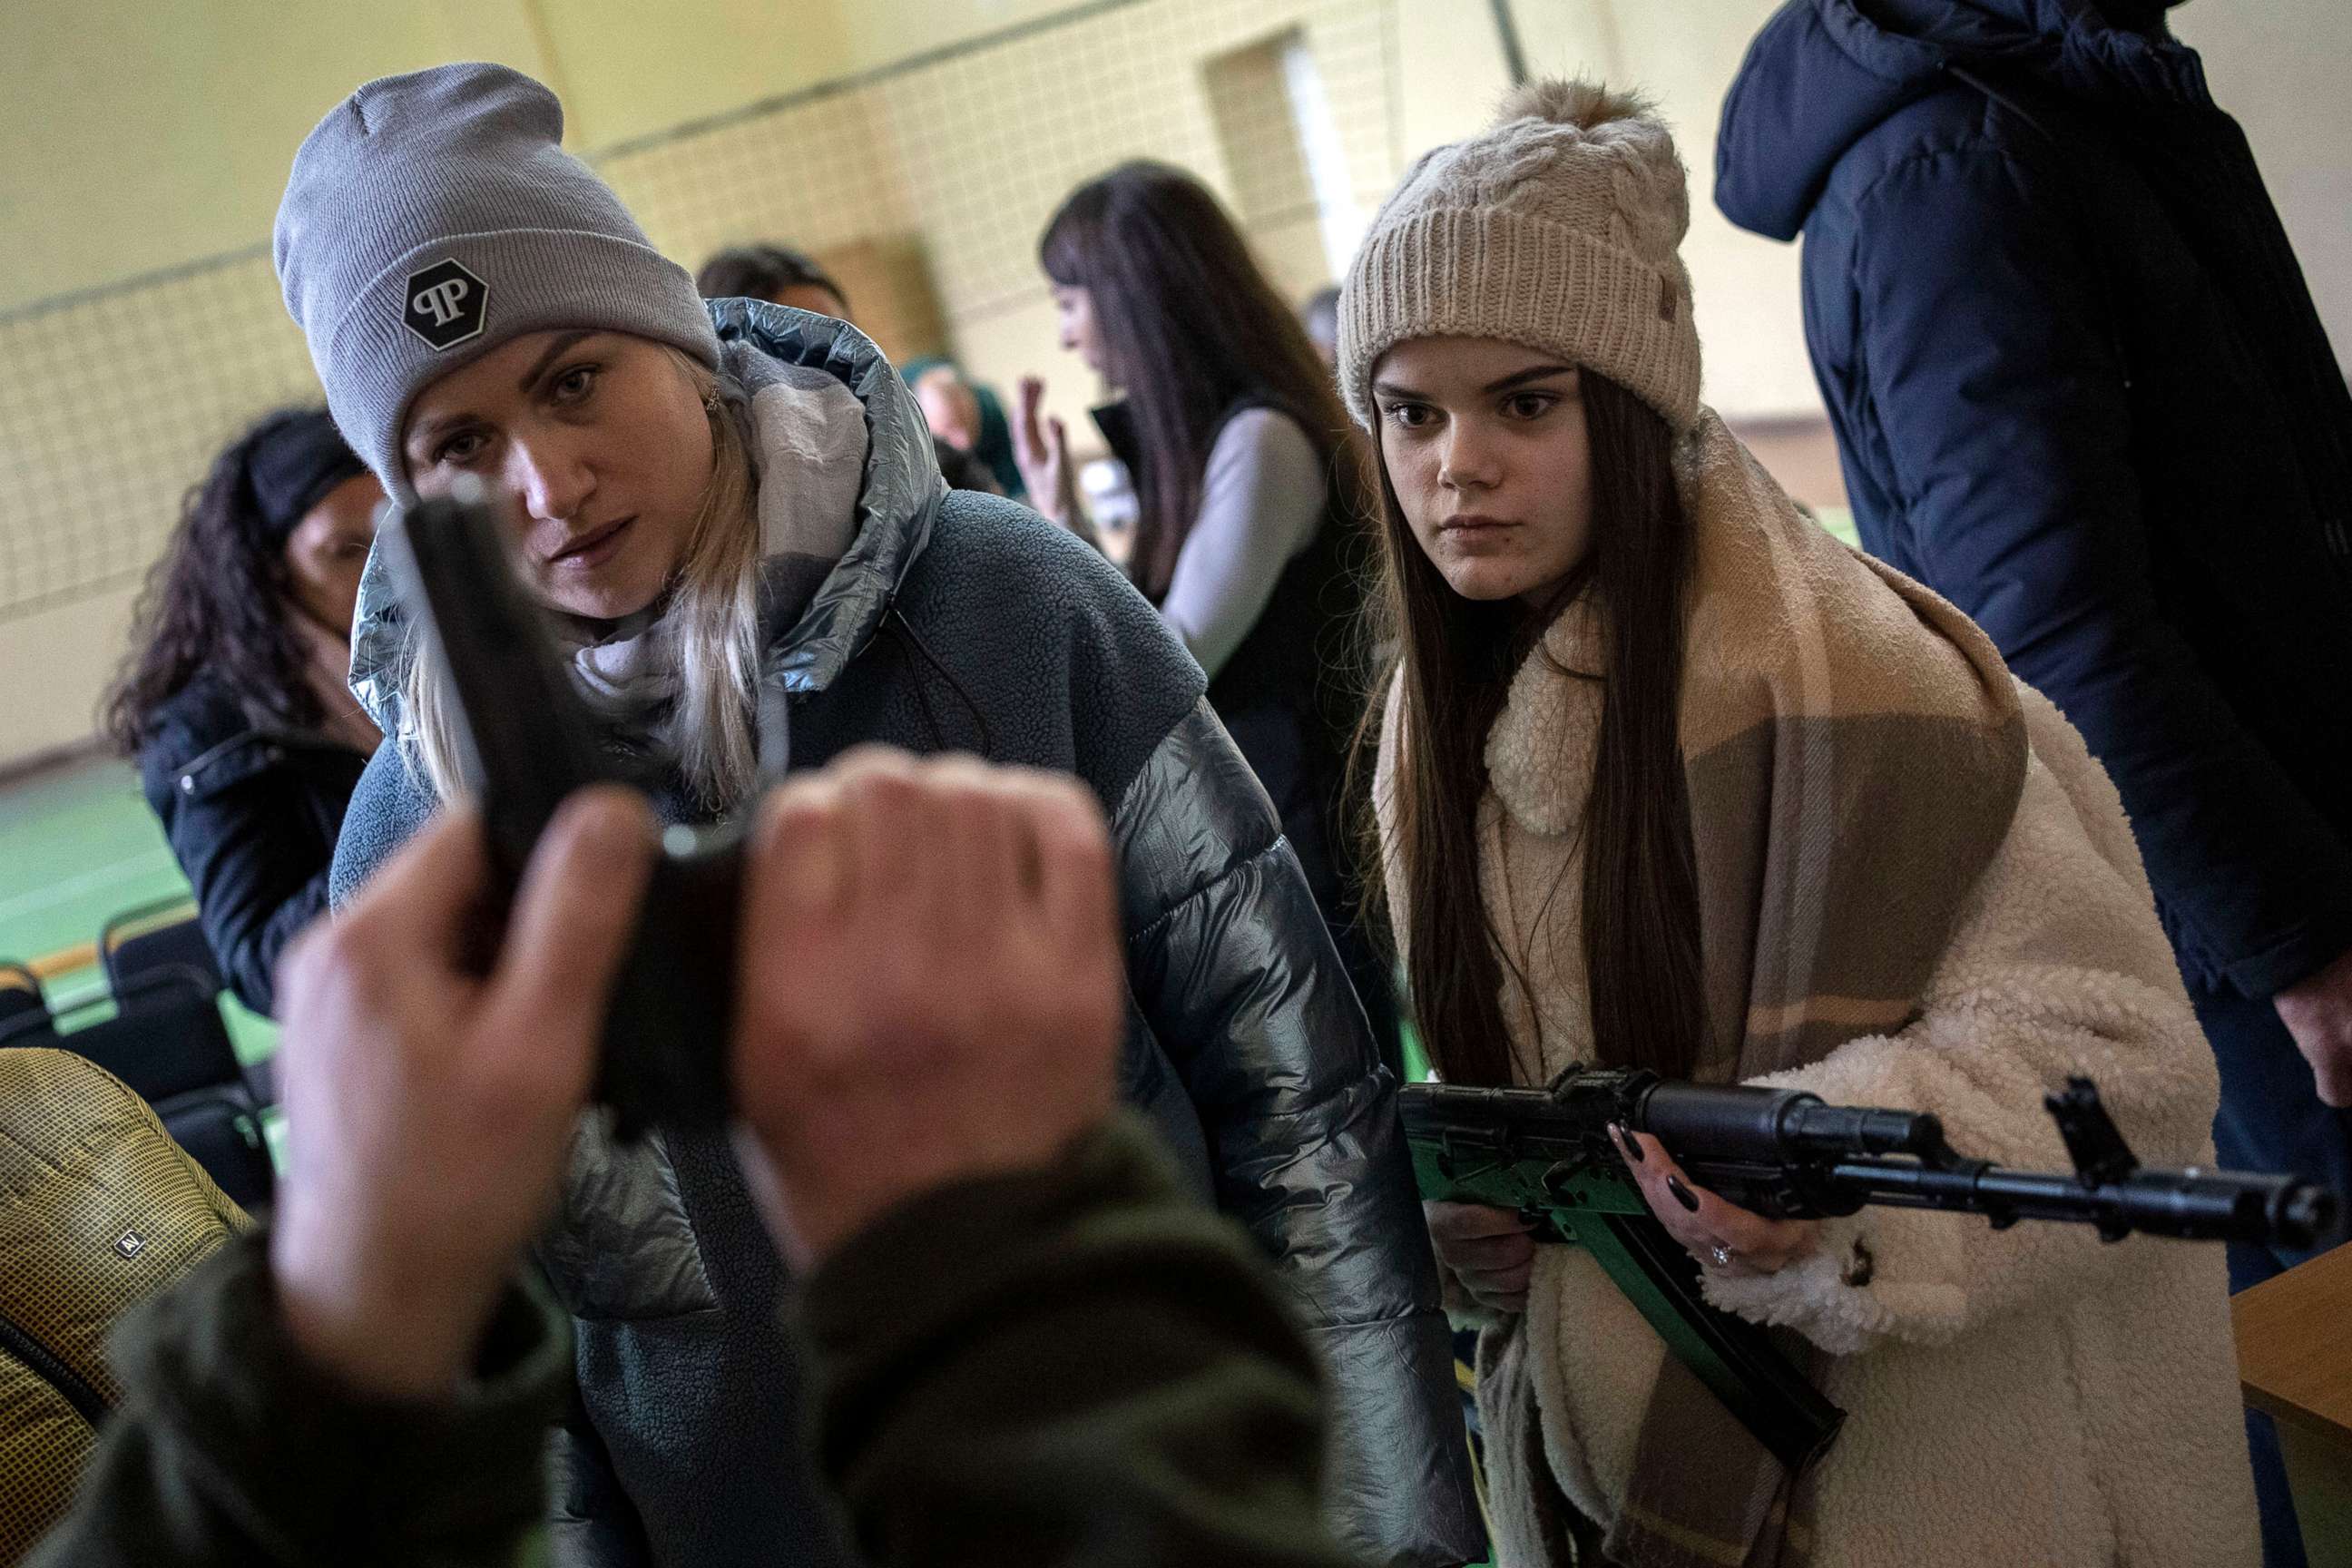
(1539, 752)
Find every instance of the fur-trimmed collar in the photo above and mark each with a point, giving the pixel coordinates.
(1540, 754)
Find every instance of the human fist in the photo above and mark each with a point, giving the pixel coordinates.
(2318, 1011)
(1041, 450)
(1721, 1235)
(931, 986)
(1491, 1251)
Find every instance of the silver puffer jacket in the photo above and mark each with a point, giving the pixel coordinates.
(961, 621)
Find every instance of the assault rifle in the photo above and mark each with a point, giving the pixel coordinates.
(1548, 1154)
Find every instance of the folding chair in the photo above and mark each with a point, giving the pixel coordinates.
(156, 936)
(20, 992)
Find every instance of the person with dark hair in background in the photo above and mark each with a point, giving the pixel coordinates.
(1249, 479)
(2080, 390)
(1033, 1346)
(731, 510)
(249, 743)
(1320, 317)
(777, 274)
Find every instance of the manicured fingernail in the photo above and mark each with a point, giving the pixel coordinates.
(1625, 1142)
(1683, 1194)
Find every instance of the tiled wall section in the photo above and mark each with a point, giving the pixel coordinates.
(111, 406)
(814, 174)
(1256, 138)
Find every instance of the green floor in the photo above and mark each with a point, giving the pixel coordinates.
(78, 845)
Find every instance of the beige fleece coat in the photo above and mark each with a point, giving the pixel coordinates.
(2031, 1396)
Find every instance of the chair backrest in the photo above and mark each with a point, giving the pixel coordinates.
(155, 936)
(20, 992)
(166, 1036)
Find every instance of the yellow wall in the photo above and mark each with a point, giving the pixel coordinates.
(629, 67)
(138, 136)
(876, 32)
(144, 134)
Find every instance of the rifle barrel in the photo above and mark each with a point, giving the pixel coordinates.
(2279, 1211)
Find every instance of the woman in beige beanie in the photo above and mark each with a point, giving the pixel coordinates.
(1668, 778)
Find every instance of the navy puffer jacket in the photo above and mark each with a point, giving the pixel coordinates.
(2080, 390)
(961, 621)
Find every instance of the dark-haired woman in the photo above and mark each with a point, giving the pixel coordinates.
(1669, 779)
(249, 743)
(1248, 477)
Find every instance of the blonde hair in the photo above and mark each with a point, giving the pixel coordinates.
(715, 611)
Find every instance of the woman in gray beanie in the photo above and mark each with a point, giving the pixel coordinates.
(736, 506)
(1670, 779)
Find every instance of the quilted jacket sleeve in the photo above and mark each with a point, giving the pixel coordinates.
(1235, 972)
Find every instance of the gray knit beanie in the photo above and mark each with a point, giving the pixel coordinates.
(1558, 229)
(433, 217)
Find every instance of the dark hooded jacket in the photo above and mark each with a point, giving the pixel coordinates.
(251, 812)
(2080, 389)
(959, 621)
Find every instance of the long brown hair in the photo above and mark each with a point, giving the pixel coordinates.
(1640, 899)
(215, 603)
(1190, 327)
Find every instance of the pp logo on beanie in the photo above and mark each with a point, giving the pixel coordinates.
(447, 304)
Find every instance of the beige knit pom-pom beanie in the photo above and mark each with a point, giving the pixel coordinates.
(1558, 229)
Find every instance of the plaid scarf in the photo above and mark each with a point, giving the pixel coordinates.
(1853, 753)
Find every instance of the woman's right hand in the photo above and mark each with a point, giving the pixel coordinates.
(1041, 450)
(1492, 1251)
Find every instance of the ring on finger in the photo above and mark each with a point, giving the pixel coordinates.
(1720, 1256)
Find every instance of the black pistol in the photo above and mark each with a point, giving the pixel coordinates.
(531, 742)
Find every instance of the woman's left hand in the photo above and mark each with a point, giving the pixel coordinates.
(1725, 1239)
(1041, 450)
